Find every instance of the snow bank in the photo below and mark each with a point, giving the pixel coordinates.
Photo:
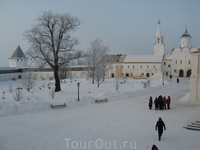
(39, 98)
(158, 77)
(24, 106)
(185, 98)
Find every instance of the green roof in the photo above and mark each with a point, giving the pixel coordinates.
(18, 53)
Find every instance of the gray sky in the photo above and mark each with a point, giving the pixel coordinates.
(125, 26)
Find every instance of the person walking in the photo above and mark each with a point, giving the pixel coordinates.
(150, 102)
(159, 126)
(177, 80)
(154, 147)
(168, 102)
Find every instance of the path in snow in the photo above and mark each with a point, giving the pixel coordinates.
(123, 124)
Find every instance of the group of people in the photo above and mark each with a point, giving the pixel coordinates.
(160, 102)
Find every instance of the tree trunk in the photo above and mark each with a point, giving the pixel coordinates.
(57, 80)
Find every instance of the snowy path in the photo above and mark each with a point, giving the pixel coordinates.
(123, 124)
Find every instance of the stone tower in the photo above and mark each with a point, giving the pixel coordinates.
(18, 59)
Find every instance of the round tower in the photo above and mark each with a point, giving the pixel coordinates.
(186, 40)
(18, 59)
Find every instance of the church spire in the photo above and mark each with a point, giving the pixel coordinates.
(159, 42)
(158, 33)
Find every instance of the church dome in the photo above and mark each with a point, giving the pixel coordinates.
(186, 34)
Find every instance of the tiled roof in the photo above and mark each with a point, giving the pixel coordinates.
(18, 53)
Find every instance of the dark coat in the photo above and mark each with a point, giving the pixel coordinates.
(160, 125)
(154, 147)
(150, 102)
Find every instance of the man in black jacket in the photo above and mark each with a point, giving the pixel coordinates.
(160, 125)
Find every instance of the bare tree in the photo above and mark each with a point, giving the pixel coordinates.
(17, 95)
(117, 83)
(105, 61)
(99, 74)
(51, 43)
(28, 80)
(97, 61)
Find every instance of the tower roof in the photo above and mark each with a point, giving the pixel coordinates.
(18, 53)
(186, 34)
(158, 33)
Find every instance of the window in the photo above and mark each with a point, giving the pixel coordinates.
(152, 74)
(122, 66)
(133, 66)
(147, 66)
(142, 74)
(180, 61)
(128, 66)
(154, 66)
(176, 61)
(189, 62)
(164, 63)
(169, 66)
(140, 66)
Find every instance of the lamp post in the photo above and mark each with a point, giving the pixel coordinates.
(78, 85)
(163, 78)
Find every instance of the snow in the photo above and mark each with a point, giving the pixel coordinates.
(124, 122)
(143, 58)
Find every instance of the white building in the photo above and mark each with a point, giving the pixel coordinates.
(135, 66)
(195, 78)
(139, 66)
(179, 62)
(18, 59)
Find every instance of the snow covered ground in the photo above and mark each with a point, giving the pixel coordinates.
(124, 122)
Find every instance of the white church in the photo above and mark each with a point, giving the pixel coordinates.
(177, 63)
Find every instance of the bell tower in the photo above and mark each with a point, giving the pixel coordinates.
(159, 45)
(186, 40)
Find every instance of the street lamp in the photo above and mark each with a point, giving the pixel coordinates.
(78, 85)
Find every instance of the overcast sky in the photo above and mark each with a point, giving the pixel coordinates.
(125, 26)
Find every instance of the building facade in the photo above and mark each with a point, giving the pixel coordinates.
(179, 62)
(195, 78)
